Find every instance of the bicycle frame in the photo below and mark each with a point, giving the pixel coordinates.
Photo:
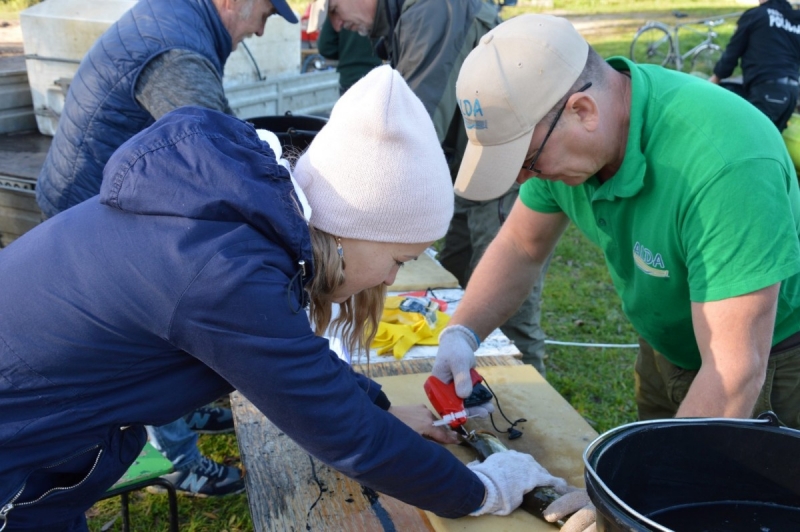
(710, 35)
(660, 43)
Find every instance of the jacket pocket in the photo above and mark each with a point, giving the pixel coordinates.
(61, 491)
(63, 476)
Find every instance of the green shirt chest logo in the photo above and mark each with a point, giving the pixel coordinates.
(649, 262)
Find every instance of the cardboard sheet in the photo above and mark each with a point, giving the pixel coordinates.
(555, 434)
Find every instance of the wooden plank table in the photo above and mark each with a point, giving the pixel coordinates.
(288, 490)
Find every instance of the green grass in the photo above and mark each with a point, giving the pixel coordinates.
(594, 7)
(150, 512)
(11, 8)
(579, 305)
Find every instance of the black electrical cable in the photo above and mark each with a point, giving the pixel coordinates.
(513, 433)
(261, 77)
(433, 295)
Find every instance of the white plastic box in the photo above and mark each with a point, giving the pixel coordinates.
(57, 34)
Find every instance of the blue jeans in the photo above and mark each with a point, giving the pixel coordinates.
(177, 442)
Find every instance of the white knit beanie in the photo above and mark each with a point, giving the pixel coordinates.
(376, 170)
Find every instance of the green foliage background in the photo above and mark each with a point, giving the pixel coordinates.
(14, 6)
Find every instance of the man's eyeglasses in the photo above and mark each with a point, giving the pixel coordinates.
(532, 167)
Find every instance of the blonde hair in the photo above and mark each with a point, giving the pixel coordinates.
(357, 322)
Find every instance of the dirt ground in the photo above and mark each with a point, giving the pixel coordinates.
(600, 25)
(11, 35)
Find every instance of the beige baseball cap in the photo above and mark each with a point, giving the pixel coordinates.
(507, 84)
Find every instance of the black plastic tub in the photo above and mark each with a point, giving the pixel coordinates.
(685, 475)
(293, 131)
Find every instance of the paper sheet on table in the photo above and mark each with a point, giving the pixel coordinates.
(422, 274)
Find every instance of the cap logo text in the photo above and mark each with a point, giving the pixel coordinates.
(471, 110)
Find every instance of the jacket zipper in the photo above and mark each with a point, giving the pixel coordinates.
(4, 511)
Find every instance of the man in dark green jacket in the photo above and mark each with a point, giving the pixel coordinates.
(353, 52)
(427, 42)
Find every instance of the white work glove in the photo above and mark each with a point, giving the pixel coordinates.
(455, 357)
(508, 476)
(575, 502)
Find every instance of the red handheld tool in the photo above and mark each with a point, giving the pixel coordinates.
(450, 406)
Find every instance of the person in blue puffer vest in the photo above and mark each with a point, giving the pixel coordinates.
(189, 276)
(159, 56)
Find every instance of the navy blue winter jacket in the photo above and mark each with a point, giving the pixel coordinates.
(180, 282)
(101, 111)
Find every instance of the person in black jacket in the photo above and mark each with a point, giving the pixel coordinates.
(767, 40)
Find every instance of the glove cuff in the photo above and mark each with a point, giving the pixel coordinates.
(490, 499)
(468, 334)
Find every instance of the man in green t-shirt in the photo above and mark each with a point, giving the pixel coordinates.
(687, 189)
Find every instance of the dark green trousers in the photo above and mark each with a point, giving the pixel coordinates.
(661, 386)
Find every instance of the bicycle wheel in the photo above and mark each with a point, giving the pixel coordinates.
(652, 44)
(704, 59)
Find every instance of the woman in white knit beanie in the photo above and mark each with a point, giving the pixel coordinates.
(216, 303)
(379, 192)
